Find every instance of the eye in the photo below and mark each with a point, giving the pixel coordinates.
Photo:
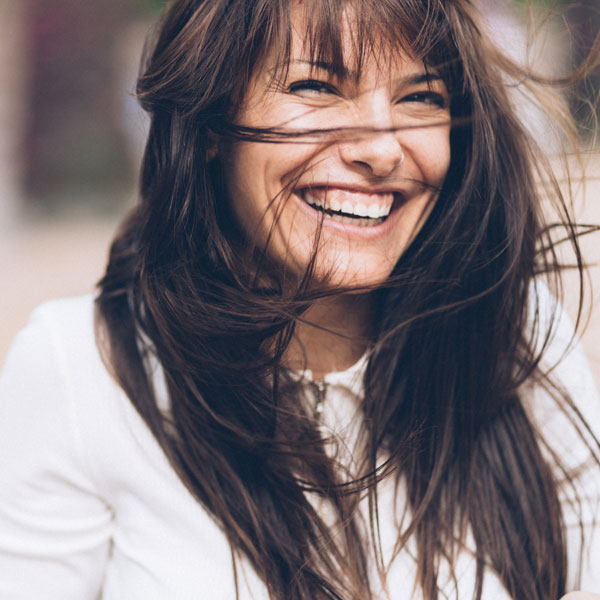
(427, 98)
(311, 87)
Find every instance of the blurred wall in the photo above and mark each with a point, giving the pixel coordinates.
(71, 136)
(13, 74)
(75, 148)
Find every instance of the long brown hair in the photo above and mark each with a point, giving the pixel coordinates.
(450, 351)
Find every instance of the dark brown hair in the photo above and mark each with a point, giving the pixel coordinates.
(451, 347)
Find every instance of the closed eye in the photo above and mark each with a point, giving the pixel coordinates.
(311, 87)
(426, 98)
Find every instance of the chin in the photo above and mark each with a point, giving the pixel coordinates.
(345, 275)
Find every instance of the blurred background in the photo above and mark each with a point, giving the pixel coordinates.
(72, 135)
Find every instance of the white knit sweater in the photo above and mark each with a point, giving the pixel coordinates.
(90, 507)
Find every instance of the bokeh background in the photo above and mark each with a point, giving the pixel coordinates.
(72, 135)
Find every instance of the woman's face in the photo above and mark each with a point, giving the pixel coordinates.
(372, 190)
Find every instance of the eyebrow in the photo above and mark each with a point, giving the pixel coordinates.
(412, 79)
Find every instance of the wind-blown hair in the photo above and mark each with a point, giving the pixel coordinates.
(453, 341)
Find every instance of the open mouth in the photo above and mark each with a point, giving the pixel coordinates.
(349, 207)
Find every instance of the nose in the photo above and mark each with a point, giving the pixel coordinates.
(375, 150)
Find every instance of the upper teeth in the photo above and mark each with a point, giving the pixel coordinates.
(352, 204)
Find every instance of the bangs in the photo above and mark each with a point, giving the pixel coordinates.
(374, 30)
(219, 45)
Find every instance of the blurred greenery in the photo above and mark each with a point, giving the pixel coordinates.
(151, 5)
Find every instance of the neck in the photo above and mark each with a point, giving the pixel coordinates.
(333, 335)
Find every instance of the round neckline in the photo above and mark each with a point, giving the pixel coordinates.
(349, 378)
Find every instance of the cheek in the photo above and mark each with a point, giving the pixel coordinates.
(430, 150)
(237, 166)
(254, 177)
(438, 156)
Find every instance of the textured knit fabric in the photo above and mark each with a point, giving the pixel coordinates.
(90, 507)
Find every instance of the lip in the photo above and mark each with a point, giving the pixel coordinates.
(351, 187)
(349, 231)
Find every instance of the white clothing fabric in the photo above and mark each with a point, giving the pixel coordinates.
(90, 508)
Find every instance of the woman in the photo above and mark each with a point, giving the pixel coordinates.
(332, 368)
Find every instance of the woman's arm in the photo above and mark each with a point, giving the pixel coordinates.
(54, 526)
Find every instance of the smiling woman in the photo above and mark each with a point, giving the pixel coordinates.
(357, 196)
(324, 362)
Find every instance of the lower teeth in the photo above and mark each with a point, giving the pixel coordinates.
(366, 222)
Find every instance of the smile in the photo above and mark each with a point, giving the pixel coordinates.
(349, 207)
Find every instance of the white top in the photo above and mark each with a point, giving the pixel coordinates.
(90, 508)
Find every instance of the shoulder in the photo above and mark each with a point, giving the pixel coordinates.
(57, 352)
(54, 387)
(67, 323)
(564, 404)
(563, 361)
(60, 335)
(54, 325)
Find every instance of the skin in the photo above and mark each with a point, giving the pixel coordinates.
(372, 168)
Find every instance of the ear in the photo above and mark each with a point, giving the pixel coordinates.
(212, 150)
